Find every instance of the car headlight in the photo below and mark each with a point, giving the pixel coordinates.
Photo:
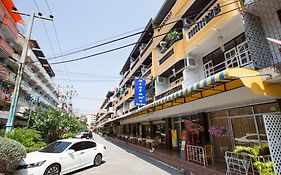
(32, 165)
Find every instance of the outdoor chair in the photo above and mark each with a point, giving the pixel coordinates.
(156, 142)
(209, 154)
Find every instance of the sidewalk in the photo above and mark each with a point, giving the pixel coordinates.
(187, 167)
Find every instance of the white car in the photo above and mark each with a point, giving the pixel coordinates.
(61, 157)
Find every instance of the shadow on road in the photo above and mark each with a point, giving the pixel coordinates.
(83, 169)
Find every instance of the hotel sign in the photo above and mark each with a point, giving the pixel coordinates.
(140, 92)
(205, 20)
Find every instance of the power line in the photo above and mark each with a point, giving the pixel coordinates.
(88, 98)
(45, 28)
(88, 74)
(100, 53)
(124, 46)
(134, 34)
(57, 38)
(118, 39)
(94, 81)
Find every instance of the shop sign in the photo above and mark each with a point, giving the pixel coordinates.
(140, 92)
(205, 20)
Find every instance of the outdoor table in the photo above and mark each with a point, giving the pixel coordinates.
(141, 141)
(149, 142)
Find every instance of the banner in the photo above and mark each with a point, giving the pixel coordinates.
(174, 138)
(140, 92)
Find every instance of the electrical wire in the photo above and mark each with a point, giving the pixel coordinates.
(94, 81)
(118, 39)
(124, 46)
(198, 11)
(57, 39)
(87, 74)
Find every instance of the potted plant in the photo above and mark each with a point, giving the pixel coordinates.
(194, 128)
(263, 166)
(173, 37)
(220, 131)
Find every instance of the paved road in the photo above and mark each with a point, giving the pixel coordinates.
(121, 161)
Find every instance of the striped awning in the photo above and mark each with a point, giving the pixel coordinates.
(198, 86)
(223, 81)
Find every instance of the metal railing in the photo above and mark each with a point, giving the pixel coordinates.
(238, 56)
(196, 154)
(239, 163)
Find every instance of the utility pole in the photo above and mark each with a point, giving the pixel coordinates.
(13, 108)
(66, 96)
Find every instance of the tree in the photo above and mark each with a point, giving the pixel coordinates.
(52, 123)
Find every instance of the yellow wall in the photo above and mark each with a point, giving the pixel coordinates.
(227, 12)
(181, 47)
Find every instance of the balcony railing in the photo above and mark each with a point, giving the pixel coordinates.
(11, 25)
(238, 56)
(147, 72)
(166, 56)
(172, 90)
(6, 47)
(146, 47)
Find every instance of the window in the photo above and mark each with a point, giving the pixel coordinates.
(266, 108)
(77, 146)
(279, 14)
(55, 147)
(87, 145)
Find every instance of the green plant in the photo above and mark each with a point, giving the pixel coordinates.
(53, 124)
(264, 168)
(174, 36)
(31, 139)
(11, 152)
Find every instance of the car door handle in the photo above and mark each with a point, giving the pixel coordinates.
(95, 148)
(82, 153)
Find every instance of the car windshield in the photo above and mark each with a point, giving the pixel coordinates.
(55, 147)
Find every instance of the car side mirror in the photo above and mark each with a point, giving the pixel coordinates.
(70, 151)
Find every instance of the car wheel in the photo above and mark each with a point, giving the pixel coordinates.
(53, 169)
(98, 160)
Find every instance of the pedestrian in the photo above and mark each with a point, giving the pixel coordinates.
(90, 135)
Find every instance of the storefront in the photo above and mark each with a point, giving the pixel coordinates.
(245, 123)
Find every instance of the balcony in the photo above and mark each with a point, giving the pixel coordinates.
(238, 56)
(6, 47)
(170, 56)
(10, 28)
(37, 80)
(26, 87)
(170, 90)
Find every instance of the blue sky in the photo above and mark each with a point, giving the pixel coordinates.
(85, 23)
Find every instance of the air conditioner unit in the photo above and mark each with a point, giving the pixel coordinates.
(161, 80)
(141, 47)
(187, 22)
(190, 63)
(143, 69)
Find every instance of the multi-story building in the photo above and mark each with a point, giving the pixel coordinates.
(37, 87)
(206, 63)
(91, 120)
(106, 112)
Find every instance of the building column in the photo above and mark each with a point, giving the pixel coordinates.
(279, 103)
(151, 133)
(168, 127)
